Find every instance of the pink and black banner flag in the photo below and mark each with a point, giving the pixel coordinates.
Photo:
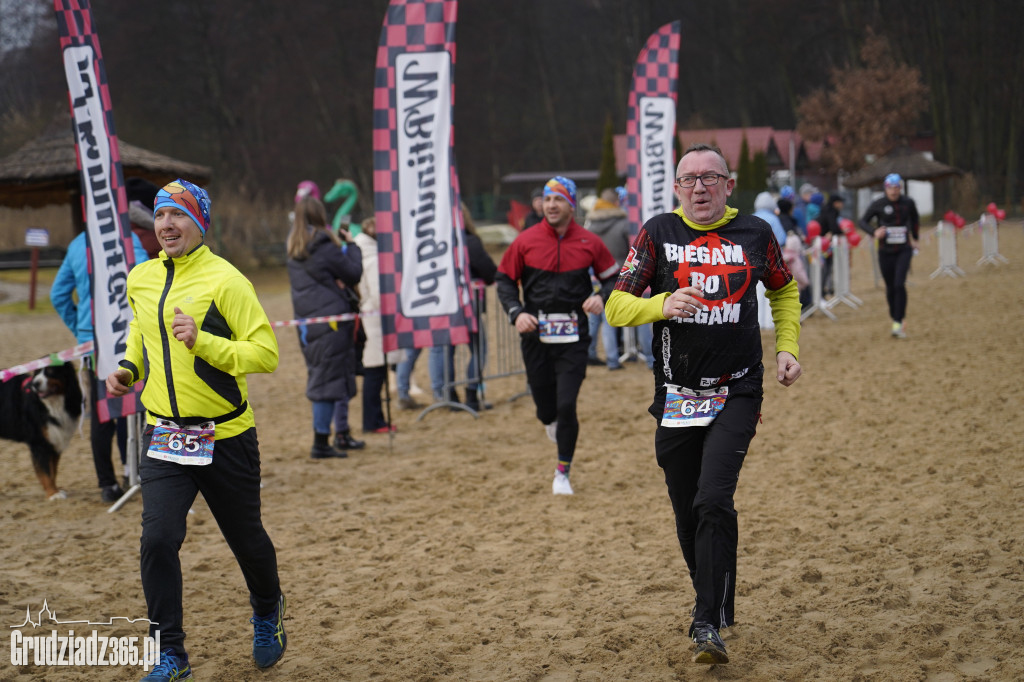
(424, 266)
(651, 127)
(104, 200)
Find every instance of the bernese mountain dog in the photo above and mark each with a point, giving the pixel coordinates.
(42, 409)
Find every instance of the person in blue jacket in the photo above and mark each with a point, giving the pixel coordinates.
(72, 278)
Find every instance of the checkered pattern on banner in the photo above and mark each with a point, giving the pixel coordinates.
(656, 74)
(411, 26)
(75, 28)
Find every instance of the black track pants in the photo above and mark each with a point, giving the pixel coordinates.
(894, 268)
(231, 487)
(555, 372)
(702, 468)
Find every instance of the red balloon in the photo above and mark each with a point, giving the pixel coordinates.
(813, 230)
(949, 216)
(959, 222)
(1001, 214)
(853, 238)
(992, 208)
(826, 243)
(847, 226)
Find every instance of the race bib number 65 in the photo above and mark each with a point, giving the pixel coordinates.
(192, 445)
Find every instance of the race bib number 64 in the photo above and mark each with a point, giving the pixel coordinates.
(686, 407)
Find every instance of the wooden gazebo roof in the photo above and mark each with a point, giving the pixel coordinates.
(910, 164)
(44, 171)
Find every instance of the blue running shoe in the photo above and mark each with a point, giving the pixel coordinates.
(269, 639)
(173, 667)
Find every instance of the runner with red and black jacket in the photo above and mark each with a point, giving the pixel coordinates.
(552, 263)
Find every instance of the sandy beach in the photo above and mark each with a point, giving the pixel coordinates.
(881, 512)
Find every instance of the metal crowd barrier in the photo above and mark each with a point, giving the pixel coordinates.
(503, 356)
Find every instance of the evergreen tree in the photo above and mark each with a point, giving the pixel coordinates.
(745, 170)
(759, 172)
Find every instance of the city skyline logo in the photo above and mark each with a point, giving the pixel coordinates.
(52, 618)
(59, 645)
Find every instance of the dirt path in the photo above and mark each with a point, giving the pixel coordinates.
(881, 510)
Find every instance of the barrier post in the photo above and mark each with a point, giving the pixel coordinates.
(817, 304)
(630, 347)
(947, 252)
(136, 424)
(35, 237)
(841, 275)
(990, 241)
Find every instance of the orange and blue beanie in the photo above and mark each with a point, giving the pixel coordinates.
(190, 198)
(563, 187)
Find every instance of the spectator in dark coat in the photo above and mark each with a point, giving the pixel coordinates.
(141, 193)
(829, 220)
(536, 213)
(324, 270)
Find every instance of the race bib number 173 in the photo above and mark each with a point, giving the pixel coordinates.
(558, 327)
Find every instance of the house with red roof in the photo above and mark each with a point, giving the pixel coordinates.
(784, 150)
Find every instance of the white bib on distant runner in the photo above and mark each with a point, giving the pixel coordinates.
(896, 234)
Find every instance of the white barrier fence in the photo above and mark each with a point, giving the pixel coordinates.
(990, 241)
(946, 233)
(841, 275)
(815, 262)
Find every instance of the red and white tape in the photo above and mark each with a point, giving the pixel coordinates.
(84, 349)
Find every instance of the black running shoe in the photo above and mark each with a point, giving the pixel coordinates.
(111, 493)
(710, 647)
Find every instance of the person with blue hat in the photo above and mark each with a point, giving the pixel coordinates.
(893, 222)
(197, 330)
(551, 263)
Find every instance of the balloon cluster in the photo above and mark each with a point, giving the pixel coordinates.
(845, 224)
(955, 219)
(813, 230)
(850, 230)
(993, 210)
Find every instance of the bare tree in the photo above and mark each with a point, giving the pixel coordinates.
(869, 109)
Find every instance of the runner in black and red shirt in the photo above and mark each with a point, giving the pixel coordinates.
(552, 262)
(893, 221)
(702, 263)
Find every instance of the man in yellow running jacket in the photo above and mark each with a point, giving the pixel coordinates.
(198, 329)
